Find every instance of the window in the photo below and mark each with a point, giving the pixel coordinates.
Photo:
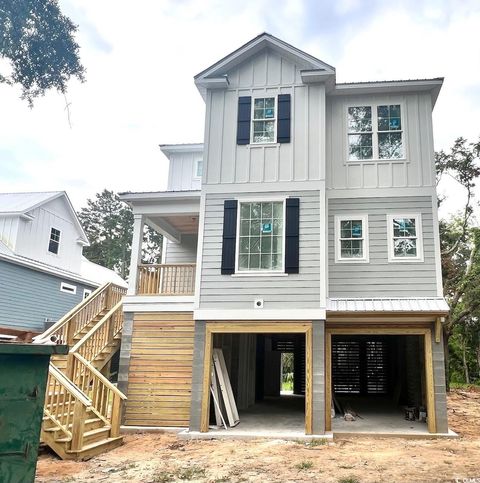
(264, 120)
(86, 293)
(351, 233)
(260, 239)
(66, 287)
(198, 169)
(405, 238)
(375, 132)
(54, 241)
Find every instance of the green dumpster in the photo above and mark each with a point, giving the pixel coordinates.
(23, 377)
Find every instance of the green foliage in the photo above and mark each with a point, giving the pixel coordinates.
(304, 465)
(108, 223)
(38, 42)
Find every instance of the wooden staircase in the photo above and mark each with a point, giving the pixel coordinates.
(83, 408)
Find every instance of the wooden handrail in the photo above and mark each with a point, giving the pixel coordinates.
(96, 339)
(69, 386)
(166, 279)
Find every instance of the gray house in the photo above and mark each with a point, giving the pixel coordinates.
(43, 273)
(306, 223)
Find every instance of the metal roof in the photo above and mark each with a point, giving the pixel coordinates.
(410, 304)
(23, 202)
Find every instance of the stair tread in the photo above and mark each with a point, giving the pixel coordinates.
(96, 444)
(92, 432)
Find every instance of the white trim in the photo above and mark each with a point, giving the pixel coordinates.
(436, 244)
(250, 273)
(68, 288)
(256, 314)
(158, 303)
(419, 237)
(275, 119)
(198, 269)
(333, 193)
(352, 216)
(375, 132)
(86, 293)
(323, 265)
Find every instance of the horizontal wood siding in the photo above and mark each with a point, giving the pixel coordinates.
(184, 252)
(160, 370)
(300, 290)
(29, 297)
(379, 278)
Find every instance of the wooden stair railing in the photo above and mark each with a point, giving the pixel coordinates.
(66, 407)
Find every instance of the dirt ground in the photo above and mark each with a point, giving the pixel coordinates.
(160, 458)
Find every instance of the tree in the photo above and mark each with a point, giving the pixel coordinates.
(38, 41)
(108, 223)
(460, 247)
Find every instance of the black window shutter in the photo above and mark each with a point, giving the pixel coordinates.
(243, 119)
(292, 233)
(229, 236)
(284, 116)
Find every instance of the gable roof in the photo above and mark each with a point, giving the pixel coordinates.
(214, 76)
(18, 204)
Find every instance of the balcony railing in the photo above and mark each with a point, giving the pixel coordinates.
(166, 279)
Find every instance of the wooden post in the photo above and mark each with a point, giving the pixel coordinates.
(70, 366)
(70, 332)
(116, 416)
(432, 421)
(78, 426)
(438, 328)
(207, 372)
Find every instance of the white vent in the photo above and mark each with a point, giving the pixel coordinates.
(258, 303)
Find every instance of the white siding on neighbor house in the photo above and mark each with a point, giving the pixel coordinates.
(184, 252)
(379, 278)
(28, 298)
(416, 170)
(9, 230)
(181, 174)
(266, 74)
(34, 236)
(292, 291)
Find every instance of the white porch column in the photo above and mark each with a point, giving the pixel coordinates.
(136, 258)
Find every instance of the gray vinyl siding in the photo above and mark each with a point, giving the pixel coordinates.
(183, 252)
(300, 290)
(29, 297)
(379, 278)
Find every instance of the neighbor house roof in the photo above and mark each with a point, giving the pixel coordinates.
(436, 305)
(18, 204)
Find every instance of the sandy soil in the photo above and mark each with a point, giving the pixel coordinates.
(160, 458)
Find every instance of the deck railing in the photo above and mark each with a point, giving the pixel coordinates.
(166, 279)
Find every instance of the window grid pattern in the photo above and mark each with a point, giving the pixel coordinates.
(360, 133)
(389, 122)
(264, 120)
(54, 242)
(351, 239)
(404, 237)
(261, 236)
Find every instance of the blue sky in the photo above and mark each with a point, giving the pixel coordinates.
(141, 58)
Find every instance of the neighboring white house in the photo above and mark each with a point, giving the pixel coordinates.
(314, 231)
(43, 273)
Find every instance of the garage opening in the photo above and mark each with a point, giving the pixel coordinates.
(378, 383)
(267, 374)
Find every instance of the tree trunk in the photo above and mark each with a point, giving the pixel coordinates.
(464, 361)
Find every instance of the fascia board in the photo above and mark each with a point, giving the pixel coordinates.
(181, 148)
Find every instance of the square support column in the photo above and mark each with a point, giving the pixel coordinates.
(318, 370)
(136, 258)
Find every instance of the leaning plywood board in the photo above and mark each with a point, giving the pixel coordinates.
(225, 387)
(160, 372)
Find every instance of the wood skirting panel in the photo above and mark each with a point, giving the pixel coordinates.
(160, 372)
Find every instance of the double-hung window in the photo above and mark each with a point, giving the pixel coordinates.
(351, 233)
(198, 169)
(375, 132)
(405, 238)
(54, 241)
(260, 242)
(264, 120)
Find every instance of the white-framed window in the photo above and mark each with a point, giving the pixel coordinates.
(405, 242)
(86, 293)
(375, 132)
(264, 120)
(68, 288)
(54, 241)
(260, 236)
(198, 169)
(351, 238)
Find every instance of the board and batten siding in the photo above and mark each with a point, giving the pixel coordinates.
(379, 277)
(266, 75)
(292, 291)
(183, 252)
(28, 297)
(181, 174)
(160, 370)
(416, 170)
